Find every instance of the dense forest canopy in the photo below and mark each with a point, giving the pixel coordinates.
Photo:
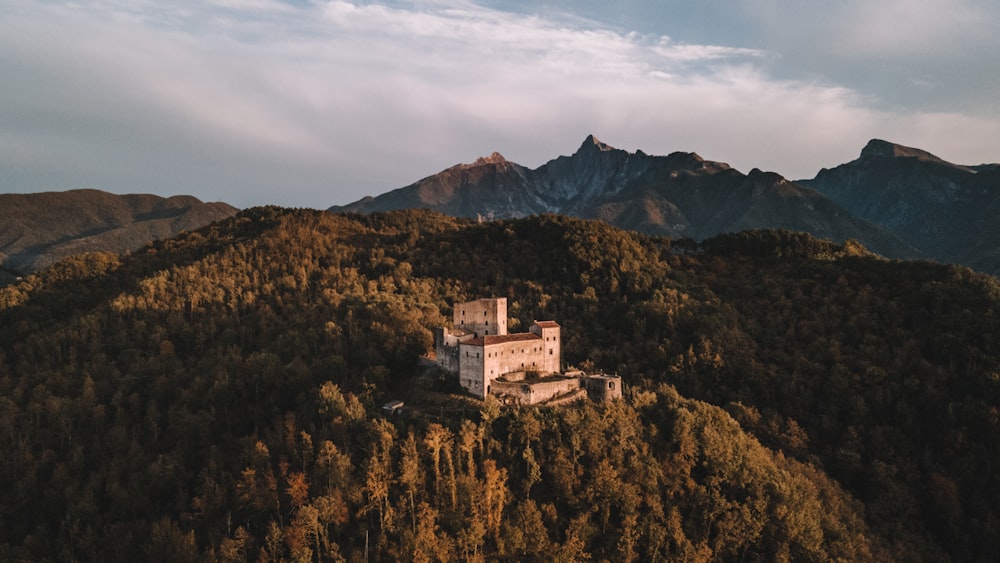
(215, 397)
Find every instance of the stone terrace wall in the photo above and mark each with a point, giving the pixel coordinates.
(535, 392)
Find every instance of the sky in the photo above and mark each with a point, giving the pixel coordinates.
(314, 103)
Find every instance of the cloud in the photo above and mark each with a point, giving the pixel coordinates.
(889, 28)
(913, 55)
(910, 28)
(320, 103)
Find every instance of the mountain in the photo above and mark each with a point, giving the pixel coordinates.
(947, 211)
(216, 396)
(36, 230)
(679, 195)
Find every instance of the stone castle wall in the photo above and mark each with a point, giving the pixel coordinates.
(482, 360)
(535, 392)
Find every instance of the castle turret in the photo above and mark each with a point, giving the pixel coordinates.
(549, 331)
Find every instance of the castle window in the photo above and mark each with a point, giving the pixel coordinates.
(611, 385)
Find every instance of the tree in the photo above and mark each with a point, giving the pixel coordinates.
(411, 475)
(379, 475)
(494, 496)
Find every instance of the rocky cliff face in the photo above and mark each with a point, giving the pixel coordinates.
(595, 170)
(947, 211)
(680, 195)
(36, 230)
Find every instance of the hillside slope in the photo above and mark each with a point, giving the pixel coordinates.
(37, 230)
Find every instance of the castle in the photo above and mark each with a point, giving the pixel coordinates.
(522, 368)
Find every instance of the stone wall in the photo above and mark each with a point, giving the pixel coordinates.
(446, 342)
(514, 389)
(470, 369)
(535, 392)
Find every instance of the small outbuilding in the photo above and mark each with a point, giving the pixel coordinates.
(392, 408)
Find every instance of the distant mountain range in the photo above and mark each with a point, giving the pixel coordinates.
(900, 202)
(36, 230)
(946, 210)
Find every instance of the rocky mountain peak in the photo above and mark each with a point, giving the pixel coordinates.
(877, 148)
(495, 158)
(591, 144)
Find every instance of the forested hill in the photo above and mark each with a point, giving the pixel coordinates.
(37, 230)
(215, 397)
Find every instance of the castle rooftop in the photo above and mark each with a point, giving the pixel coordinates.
(502, 339)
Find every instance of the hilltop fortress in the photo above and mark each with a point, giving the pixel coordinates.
(522, 368)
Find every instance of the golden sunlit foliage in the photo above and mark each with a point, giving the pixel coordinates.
(215, 397)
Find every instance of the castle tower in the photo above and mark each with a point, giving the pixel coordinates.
(483, 317)
(552, 346)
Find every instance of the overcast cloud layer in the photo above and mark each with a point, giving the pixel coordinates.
(318, 103)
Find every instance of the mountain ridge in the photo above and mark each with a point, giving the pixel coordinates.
(879, 148)
(946, 210)
(679, 195)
